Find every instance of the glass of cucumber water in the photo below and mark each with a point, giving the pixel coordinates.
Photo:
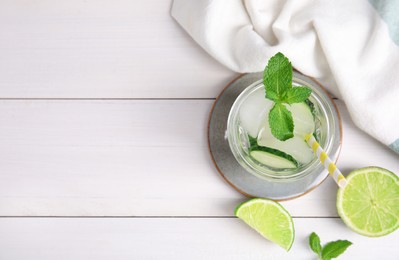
(260, 153)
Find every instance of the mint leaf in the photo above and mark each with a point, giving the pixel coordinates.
(281, 122)
(270, 94)
(334, 249)
(314, 243)
(330, 250)
(297, 95)
(277, 77)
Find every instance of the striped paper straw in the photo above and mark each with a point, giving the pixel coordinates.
(326, 161)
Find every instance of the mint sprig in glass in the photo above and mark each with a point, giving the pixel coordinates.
(277, 79)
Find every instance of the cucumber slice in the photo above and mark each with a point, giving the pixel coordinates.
(296, 146)
(273, 158)
(316, 120)
(304, 121)
(270, 157)
(311, 107)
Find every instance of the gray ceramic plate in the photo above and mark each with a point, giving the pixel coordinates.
(232, 171)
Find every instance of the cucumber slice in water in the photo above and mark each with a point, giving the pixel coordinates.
(273, 158)
(296, 146)
(304, 121)
(311, 107)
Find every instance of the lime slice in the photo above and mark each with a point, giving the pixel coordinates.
(269, 219)
(369, 204)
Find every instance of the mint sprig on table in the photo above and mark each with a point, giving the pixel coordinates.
(330, 250)
(277, 79)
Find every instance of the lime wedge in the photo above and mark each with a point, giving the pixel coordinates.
(269, 219)
(369, 204)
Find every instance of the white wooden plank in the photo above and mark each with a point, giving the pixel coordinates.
(106, 48)
(159, 238)
(128, 158)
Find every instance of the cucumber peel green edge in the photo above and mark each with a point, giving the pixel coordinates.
(255, 147)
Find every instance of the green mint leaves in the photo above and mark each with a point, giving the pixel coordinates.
(277, 79)
(334, 249)
(330, 250)
(281, 118)
(297, 95)
(314, 243)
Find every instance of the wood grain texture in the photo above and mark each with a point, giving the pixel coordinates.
(97, 49)
(134, 158)
(104, 238)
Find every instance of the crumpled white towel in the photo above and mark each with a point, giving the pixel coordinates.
(351, 47)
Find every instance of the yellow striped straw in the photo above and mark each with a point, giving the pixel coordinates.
(335, 173)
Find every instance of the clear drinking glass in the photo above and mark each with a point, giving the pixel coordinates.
(328, 132)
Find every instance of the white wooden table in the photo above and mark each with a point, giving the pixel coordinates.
(103, 153)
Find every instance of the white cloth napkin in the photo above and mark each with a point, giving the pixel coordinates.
(351, 47)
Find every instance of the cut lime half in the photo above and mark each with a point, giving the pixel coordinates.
(269, 219)
(369, 204)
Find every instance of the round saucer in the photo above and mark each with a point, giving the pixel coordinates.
(241, 180)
